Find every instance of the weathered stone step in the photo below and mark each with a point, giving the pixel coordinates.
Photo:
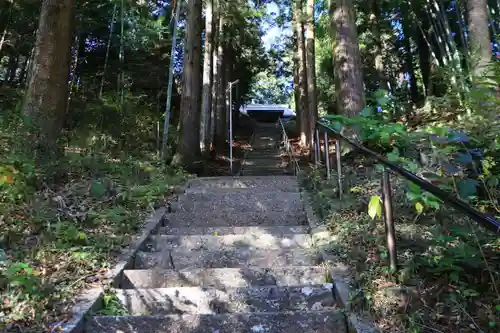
(216, 190)
(285, 183)
(240, 203)
(197, 300)
(263, 168)
(223, 277)
(263, 151)
(212, 242)
(221, 231)
(228, 257)
(263, 161)
(231, 219)
(260, 155)
(298, 322)
(261, 172)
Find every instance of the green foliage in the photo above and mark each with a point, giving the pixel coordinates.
(112, 306)
(446, 156)
(62, 227)
(442, 252)
(375, 206)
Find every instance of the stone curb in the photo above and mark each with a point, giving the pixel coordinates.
(89, 300)
(339, 272)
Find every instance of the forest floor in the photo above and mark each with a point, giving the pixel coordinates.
(60, 237)
(447, 279)
(219, 165)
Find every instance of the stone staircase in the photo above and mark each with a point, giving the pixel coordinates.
(234, 256)
(265, 158)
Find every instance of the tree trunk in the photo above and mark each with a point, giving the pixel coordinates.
(311, 74)
(425, 61)
(12, 67)
(414, 95)
(479, 32)
(207, 80)
(228, 67)
(188, 150)
(215, 81)
(377, 49)
(24, 68)
(220, 122)
(47, 94)
(347, 60)
(6, 27)
(296, 89)
(301, 59)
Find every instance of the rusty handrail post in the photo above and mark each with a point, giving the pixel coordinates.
(327, 156)
(338, 156)
(289, 148)
(388, 219)
(317, 146)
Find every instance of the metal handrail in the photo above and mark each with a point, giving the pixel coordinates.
(448, 198)
(289, 149)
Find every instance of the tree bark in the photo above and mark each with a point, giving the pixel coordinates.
(414, 94)
(296, 89)
(47, 94)
(220, 128)
(479, 32)
(12, 67)
(215, 81)
(425, 62)
(347, 60)
(377, 50)
(301, 59)
(311, 74)
(188, 152)
(207, 80)
(24, 69)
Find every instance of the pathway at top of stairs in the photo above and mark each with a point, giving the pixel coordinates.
(234, 256)
(265, 158)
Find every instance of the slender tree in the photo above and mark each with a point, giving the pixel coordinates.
(47, 94)
(377, 43)
(168, 106)
(302, 73)
(347, 59)
(188, 150)
(477, 13)
(215, 68)
(311, 73)
(207, 79)
(220, 122)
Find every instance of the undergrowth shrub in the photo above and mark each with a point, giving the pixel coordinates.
(60, 234)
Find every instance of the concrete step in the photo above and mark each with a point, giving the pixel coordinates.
(263, 151)
(267, 172)
(331, 321)
(223, 218)
(284, 183)
(258, 155)
(216, 190)
(179, 258)
(221, 231)
(240, 202)
(223, 277)
(263, 161)
(198, 300)
(212, 242)
(263, 168)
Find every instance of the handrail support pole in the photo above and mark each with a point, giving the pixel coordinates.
(327, 156)
(317, 145)
(388, 219)
(338, 156)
